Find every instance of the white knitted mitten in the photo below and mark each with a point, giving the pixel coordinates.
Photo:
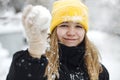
(36, 21)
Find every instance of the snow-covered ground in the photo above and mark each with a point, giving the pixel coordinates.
(4, 62)
(10, 23)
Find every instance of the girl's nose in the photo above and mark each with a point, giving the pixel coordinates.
(71, 31)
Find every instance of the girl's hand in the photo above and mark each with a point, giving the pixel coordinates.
(36, 21)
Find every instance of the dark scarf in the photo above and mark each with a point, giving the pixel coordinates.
(72, 57)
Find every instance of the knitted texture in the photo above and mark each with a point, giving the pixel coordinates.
(69, 10)
(36, 22)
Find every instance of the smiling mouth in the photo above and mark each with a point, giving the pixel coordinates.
(69, 39)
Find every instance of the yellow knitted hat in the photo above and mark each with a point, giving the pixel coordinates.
(69, 10)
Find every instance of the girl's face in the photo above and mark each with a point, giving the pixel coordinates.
(70, 33)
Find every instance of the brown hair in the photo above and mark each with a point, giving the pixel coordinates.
(91, 58)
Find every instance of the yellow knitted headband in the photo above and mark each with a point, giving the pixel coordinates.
(69, 10)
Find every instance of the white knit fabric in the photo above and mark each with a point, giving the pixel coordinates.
(36, 21)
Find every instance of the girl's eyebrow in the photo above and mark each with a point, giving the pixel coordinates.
(64, 22)
(78, 24)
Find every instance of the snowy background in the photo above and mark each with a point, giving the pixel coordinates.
(104, 31)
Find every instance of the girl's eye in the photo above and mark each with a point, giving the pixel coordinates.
(63, 25)
(78, 26)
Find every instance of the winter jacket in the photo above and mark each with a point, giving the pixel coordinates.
(72, 67)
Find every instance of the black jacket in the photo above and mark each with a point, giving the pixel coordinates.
(25, 67)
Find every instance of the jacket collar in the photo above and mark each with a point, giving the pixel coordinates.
(72, 56)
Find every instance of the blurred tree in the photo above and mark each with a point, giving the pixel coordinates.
(3, 5)
(104, 15)
(17, 4)
(83, 1)
(46, 3)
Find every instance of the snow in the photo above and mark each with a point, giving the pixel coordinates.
(108, 45)
(4, 62)
(10, 22)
